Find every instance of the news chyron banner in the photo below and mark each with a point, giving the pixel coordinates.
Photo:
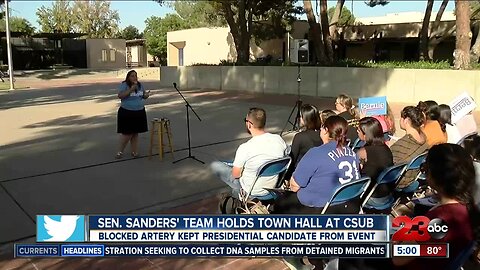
(321, 236)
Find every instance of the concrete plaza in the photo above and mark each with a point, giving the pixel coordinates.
(57, 157)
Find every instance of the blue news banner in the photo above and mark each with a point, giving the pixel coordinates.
(210, 236)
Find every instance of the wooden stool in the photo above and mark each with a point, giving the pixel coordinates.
(160, 126)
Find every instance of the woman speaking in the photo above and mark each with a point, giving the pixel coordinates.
(132, 118)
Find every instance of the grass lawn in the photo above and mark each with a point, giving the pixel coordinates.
(6, 85)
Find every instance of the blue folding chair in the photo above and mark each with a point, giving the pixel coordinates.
(271, 168)
(348, 192)
(389, 175)
(414, 164)
(462, 257)
(357, 144)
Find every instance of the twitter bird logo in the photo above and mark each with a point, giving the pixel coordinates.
(65, 228)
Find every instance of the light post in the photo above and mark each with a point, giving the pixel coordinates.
(9, 45)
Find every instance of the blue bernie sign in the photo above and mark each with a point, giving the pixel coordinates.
(371, 106)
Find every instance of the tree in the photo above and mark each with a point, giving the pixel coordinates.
(315, 31)
(57, 18)
(253, 18)
(130, 32)
(475, 50)
(423, 35)
(434, 38)
(344, 18)
(463, 35)
(95, 19)
(156, 33)
(327, 39)
(18, 24)
(199, 13)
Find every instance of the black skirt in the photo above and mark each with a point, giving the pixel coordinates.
(131, 122)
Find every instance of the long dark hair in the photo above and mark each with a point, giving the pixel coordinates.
(373, 131)
(416, 116)
(310, 117)
(432, 111)
(452, 172)
(445, 114)
(127, 81)
(337, 128)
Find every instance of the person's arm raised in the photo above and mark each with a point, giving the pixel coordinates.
(125, 93)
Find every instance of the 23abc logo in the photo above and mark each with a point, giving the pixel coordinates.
(419, 229)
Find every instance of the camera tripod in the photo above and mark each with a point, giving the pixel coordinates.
(297, 107)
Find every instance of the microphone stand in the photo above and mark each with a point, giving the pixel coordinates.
(298, 106)
(188, 107)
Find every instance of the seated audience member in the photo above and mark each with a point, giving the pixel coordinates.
(345, 108)
(388, 123)
(375, 155)
(321, 171)
(450, 171)
(412, 144)
(433, 129)
(472, 145)
(453, 135)
(261, 148)
(306, 139)
(325, 114)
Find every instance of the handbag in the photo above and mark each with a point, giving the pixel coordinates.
(253, 208)
(402, 209)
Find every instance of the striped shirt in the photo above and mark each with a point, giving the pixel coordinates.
(404, 150)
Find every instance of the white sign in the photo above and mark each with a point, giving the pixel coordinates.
(461, 106)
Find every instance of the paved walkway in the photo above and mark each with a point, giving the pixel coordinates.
(57, 158)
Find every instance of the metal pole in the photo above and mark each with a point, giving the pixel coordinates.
(9, 45)
(288, 48)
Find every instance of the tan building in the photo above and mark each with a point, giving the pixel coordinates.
(137, 55)
(393, 37)
(105, 53)
(211, 46)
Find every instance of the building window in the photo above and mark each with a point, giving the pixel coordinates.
(104, 55)
(112, 55)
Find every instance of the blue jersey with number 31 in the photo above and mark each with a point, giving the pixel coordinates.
(322, 170)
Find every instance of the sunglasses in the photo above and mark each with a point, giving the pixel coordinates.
(248, 121)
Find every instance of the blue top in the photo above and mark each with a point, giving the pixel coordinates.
(135, 101)
(322, 170)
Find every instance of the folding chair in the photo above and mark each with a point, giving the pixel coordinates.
(270, 168)
(357, 144)
(414, 164)
(389, 175)
(460, 142)
(462, 257)
(348, 192)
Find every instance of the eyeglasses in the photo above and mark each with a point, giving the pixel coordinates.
(248, 121)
